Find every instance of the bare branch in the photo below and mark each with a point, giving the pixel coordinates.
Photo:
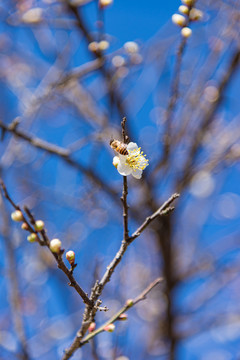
(46, 242)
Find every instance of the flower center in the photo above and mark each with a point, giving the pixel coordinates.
(136, 159)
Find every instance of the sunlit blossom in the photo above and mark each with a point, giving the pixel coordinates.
(134, 163)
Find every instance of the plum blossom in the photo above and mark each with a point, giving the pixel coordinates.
(134, 163)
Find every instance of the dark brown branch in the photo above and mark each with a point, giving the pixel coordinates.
(44, 241)
(163, 210)
(125, 189)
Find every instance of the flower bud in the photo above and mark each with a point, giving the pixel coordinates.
(195, 14)
(39, 225)
(103, 45)
(55, 245)
(183, 9)
(70, 256)
(129, 303)
(123, 317)
(104, 3)
(131, 47)
(186, 32)
(24, 226)
(93, 46)
(179, 20)
(118, 61)
(92, 327)
(17, 216)
(33, 16)
(32, 238)
(187, 2)
(109, 328)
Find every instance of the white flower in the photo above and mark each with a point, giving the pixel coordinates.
(134, 163)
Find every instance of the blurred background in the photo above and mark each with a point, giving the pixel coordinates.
(69, 72)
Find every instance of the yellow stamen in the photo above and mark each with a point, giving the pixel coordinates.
(136, 160)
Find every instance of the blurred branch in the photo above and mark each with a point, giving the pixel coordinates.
(13, 284)
(207, 120)
(63, 154)
(114, 96)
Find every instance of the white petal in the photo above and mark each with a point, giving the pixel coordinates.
(137, 174)
(132, 146)
(124, 169)
(116, 161)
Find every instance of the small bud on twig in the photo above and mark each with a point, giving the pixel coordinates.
(92, 327)
(129, 303)
(17, 216)
(103, 45)
(109, 328)
(32, 238)
(186, 32)
(131, 47)
(179, 20)
(24, 226)
(55, 245)
(183, 9)
(70, 256)
(39, 225)
(123, 317)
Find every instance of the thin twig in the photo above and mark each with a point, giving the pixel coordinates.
(125, 189)
(163, 210)
(129, 304)
(89, 312)
(44, 241)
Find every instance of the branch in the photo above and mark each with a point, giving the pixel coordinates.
(125, 190)
(163, 210)
(129, 304)
(63, 154)
(43, 240)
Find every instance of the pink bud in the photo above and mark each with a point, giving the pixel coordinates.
(92, 327)
(109, 328)
(129, 303)
(123, 317)
(24, 226)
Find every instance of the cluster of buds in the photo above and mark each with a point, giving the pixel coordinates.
(55, 244)
(187, 14)
(131, 54)
(95, 46)
(17, 216)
